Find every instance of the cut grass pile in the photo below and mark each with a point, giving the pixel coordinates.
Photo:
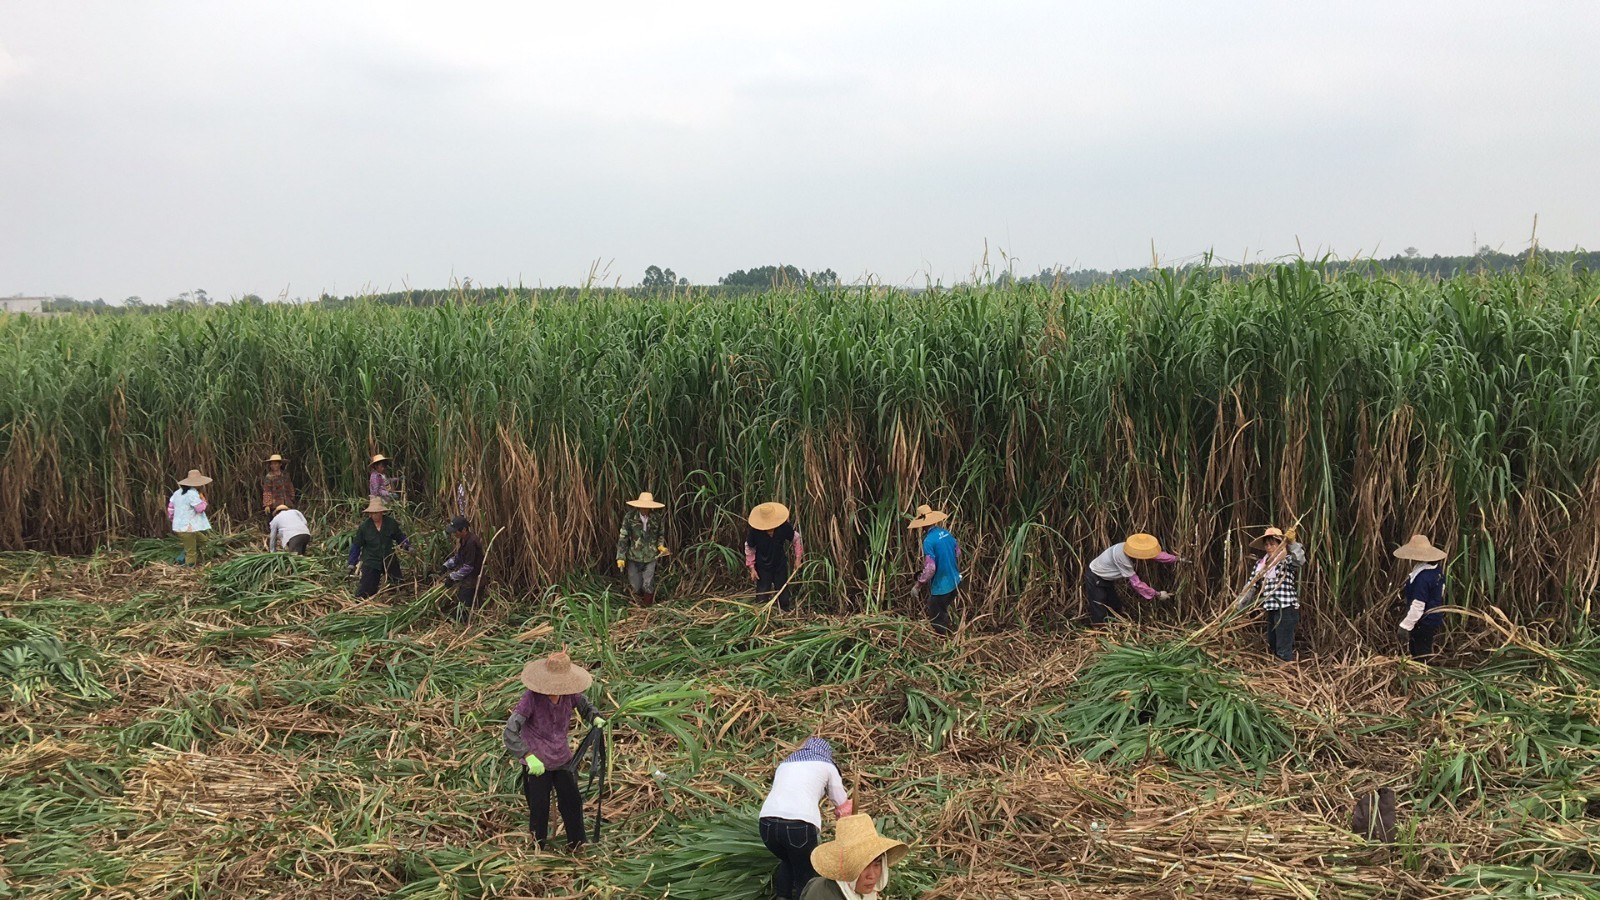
(250, 730)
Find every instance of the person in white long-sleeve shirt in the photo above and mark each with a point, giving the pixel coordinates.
(791, 818)
(288, 531)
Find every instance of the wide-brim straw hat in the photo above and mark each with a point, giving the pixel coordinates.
(280, 507)
(1419, 549)
(375, 505)
(1141, 546)
(1260, 543)
(377, 458)
(768, 516)
(646, 500)
(194, 479)
(556, 675)
(856, 843)
(927, 515)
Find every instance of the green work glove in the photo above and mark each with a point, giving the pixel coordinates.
(598, 722)
(535, 764)
(620, 564)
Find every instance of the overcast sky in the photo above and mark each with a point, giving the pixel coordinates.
(276, 148)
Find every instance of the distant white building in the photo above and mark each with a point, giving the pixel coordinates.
(21, 304)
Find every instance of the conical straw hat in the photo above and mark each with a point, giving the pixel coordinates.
(376, 505)
(856, 843)
(195, 479)
(646, 500)
(378, 458)
(276, 457)
(1260, 543)
(1419, 549)
(927, 515)
(768, 516)
(1142, 546)
(556, 675)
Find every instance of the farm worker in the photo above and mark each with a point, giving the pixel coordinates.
(791, 823)
(1424, 594)
(640, 542)
(536, 736)
(1116, 564)
(277, 488)
(765, 552)
(1276, 576)
(288, 530)
(940, 555)
(464, 568)
(373, 547)
(378, 483)
(187, 510)
(855, 864)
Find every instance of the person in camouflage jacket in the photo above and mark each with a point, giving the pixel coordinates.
(641, 542)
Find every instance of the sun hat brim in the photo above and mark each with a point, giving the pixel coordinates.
(537, 677)
(1419, 549)
(276, 457)
(932, 518)
(768, 516)
(1260, 543)
(1142, 546)
(194, 479)
(640, 503)
(378, 459)
(375, 505)
(844, 857)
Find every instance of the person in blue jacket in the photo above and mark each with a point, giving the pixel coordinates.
(1424, 594)
(940, 556)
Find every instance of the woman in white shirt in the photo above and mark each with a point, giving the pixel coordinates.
(791, 819)
(187, 510)
(288, 530)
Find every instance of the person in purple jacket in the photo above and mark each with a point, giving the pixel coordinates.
(537, 736)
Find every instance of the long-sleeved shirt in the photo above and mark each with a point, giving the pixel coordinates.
(941, 556)
(1116, 565)
(1425, 591)
(276, 490)
(640, 537)
(373, 545)
(764, 552)
(1279, 588)
(285, 525)
(539, 726)
(466, 564)
(187, 510)
(797, 789)
(378, 486)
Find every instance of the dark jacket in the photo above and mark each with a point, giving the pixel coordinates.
(465, 566)
(820, 888)
(1428, 587)
(373, 546)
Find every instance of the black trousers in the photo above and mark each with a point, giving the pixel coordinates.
(1102, 597)
(1422, 639)
(372, 575)
(939, 611)
(466, 600)
(568, 799)
(1280, 632)
(770, 584)
(298, 544)
(791, 841)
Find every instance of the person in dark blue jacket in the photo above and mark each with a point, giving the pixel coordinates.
(940, 572)
(1424, 594)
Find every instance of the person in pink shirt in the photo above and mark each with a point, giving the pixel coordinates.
(1116, 564)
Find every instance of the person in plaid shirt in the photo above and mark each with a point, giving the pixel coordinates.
(1277, 577)
(277, 488)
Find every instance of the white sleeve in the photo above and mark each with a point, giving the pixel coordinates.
(836, 787)
(277, 532)
(1413, 615)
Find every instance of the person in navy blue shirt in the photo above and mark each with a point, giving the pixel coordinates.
(1424, 594)
(940, 556)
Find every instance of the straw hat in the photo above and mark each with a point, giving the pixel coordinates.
(646, 500)
(378, 458)
(926, 515)
(280, 507)
(856, 843)
(1260, 543)
(375, 505)
(768, 516)
(1142, 546)
(1419, 549)
(276, 457)
(556, 675)
(195, 479)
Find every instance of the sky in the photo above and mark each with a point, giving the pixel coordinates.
(292, 148)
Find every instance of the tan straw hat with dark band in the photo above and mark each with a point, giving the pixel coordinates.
(280, 507)
(768, 516)
(1419, 549)
(378, 458)
(556, 675)
(1260, 543)
(1141, 546)
(646, 500)
(276, 457)
(195, 479)
(856, 843)
(375, 505)
(926, 515)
